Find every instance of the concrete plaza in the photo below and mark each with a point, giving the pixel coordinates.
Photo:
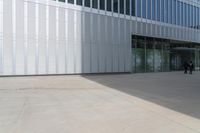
(124, 103)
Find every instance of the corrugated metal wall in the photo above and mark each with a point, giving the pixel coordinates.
(52, 38)
(42, 39)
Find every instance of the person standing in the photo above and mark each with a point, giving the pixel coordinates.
(185, 65)
(191, 67)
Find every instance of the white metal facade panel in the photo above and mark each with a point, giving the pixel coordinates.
(42, 39)
(1, 37)
(19, 49)
(7, 38)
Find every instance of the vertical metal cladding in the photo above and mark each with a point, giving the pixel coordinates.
(1, 37)
(51, 37)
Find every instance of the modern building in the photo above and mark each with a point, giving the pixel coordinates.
(97, 36)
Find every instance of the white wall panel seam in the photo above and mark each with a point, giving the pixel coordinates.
(75, 42)
(14, 37)
(130, 49)
(106, 44)
(91, 40)
(1, 39)
(37, 37)
(57, 39)
(83, 39)
(25, 37)
(125, 34)
(66, 39)
(119, 43)
(112, 45)
(47, 38)
(98, 44)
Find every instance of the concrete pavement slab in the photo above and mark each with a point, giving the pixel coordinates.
(142, 103)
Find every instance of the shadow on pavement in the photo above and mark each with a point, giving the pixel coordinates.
(172, 90)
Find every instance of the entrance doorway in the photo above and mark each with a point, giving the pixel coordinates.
(179, 55)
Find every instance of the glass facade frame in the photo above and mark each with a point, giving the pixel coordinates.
(178, 12)
(102, 4)
(158, 10)
(95, 4)
(166, 11)
(115, 6)
(144, 11)
(121, 3)
(149, 9)
(170, 11)
(150, 54)
(182, 15)
(153, 5)
(197, 22)
(79, 2)
(133, 7)
(109, 5)
(87, 3)
(128, 5)
(138, 8)
(174, 12)
(162, 10)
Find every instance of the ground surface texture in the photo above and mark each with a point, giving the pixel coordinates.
(124, 103)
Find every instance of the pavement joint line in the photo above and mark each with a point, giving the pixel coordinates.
(20, 115)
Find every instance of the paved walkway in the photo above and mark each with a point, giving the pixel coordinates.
(127, 103)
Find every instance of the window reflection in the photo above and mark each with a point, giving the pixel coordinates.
(95, 4)
(102, 4)
(144, 4)
(127, 7)
(109, 7)
(122, 6)
(138, 8)
(115, 6)
(149, 9)
(133, 8)
(87, 3)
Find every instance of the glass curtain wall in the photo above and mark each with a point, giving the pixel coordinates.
(153, 9)
(87, 3)
(161, 55)
(174, 12)
(127, 7)
(102, 4)
(79, 2)
(166, 56)
(197, 59)
(144, 5)
(140, 55)
(133, 8)
(122, 6)
(158, 56)
(158, 10)
(138, 8)
(148, 9)
(109, 5)
(150, 54)
(115, 6)
(95, 4)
